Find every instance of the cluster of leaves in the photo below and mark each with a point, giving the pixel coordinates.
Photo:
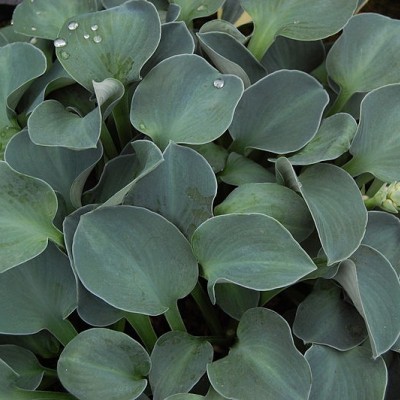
(184, 204)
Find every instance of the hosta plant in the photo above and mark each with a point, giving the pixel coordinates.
(196, 209)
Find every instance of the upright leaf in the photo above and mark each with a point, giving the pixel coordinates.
(197, 8)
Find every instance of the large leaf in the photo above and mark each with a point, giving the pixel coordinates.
(263, 361)
(113, 43)
(359, 61)
(27, 209)
(200, 103)
(374, 288)
(181, 189)
(38, 294)
(295, 19)
(64, 169)
(376, 146)
(251, 250)
(104, 364)
(383, 234)
(178, 361)
(15, 77)
(133, 259)
(350, 375)
(273, 200)
(337, 209)
(324, 318)
(280, 113)
(44, 19)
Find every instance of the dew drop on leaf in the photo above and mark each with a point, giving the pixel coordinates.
(33, 40)
(142, 126)
(219, 83)
(60, 43)
(33, 28)
(97, 39)
(73, 25)
(86, 36)
(64, 55)
(94, 28)
(201, 8)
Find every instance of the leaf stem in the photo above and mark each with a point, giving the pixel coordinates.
(122, 121)
(208, 311)
(108, 144)
(174, 319)
(142, 325)
(58, 238)
(260, 43)
(63, 330)
(341, 100)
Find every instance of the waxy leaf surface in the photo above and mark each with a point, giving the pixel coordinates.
(196, 8)
(251, 250)
(264, 360)
(133, 259)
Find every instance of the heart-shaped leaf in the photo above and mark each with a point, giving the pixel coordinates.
(356, 375)
(181, 189)
(144, 265)
(251, 250)
(373, 286)
(273, 200)
(113, 43)
(178, 361)
(280, 113)
(324, 318)
(295, 19)
(44, 19)
(200, 103)
(27, 209)
(101, 363)
(39, 294)
(337, 208)
(376, 147)
(15, 77)
(264, 360)
(359, 61)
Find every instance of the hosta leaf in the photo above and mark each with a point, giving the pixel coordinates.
(122, 173)
(64, 169)
(181, 194)
(324, 318)
(373, 286)
(215, 155)
(359, 60)
(222, 26)
(349, 375)
(44, 19)
(376, 146)
(295, 19)
(200, 103)
(383, 234)
(185, 396)
(15, 77)
(25, 364)
(264, 360)
(178, 361)
(197, 8)
(101, 363)
(52, 124)
(152, 267)
(38, 294)
(273, 200)
(251, 250)
(231, 10)
(27, 209)
(333, 138)
(113, 43)
(280, 113)
(337, 208)
(8, 35)
(240, 170)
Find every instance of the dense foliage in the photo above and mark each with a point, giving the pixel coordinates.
(192, 210)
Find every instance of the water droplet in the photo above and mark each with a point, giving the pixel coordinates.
(64, 55)
(94, 28)
(32, 1)
(38, 12)
(219, 83)
(33, 40)
(201, 8)
(33, 28)
(73, 25)
(86, 36)
(142, 126)
(97, 39)
(60, 43)
(296, 22)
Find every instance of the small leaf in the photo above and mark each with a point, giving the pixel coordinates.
(374, 288)
(280, 113)
(178, 361)
(27, 209)
(350, 375)
(152, 267)
(101, 363)
(251, 250)
(264, 360)
(376, 147)
(200, 103)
